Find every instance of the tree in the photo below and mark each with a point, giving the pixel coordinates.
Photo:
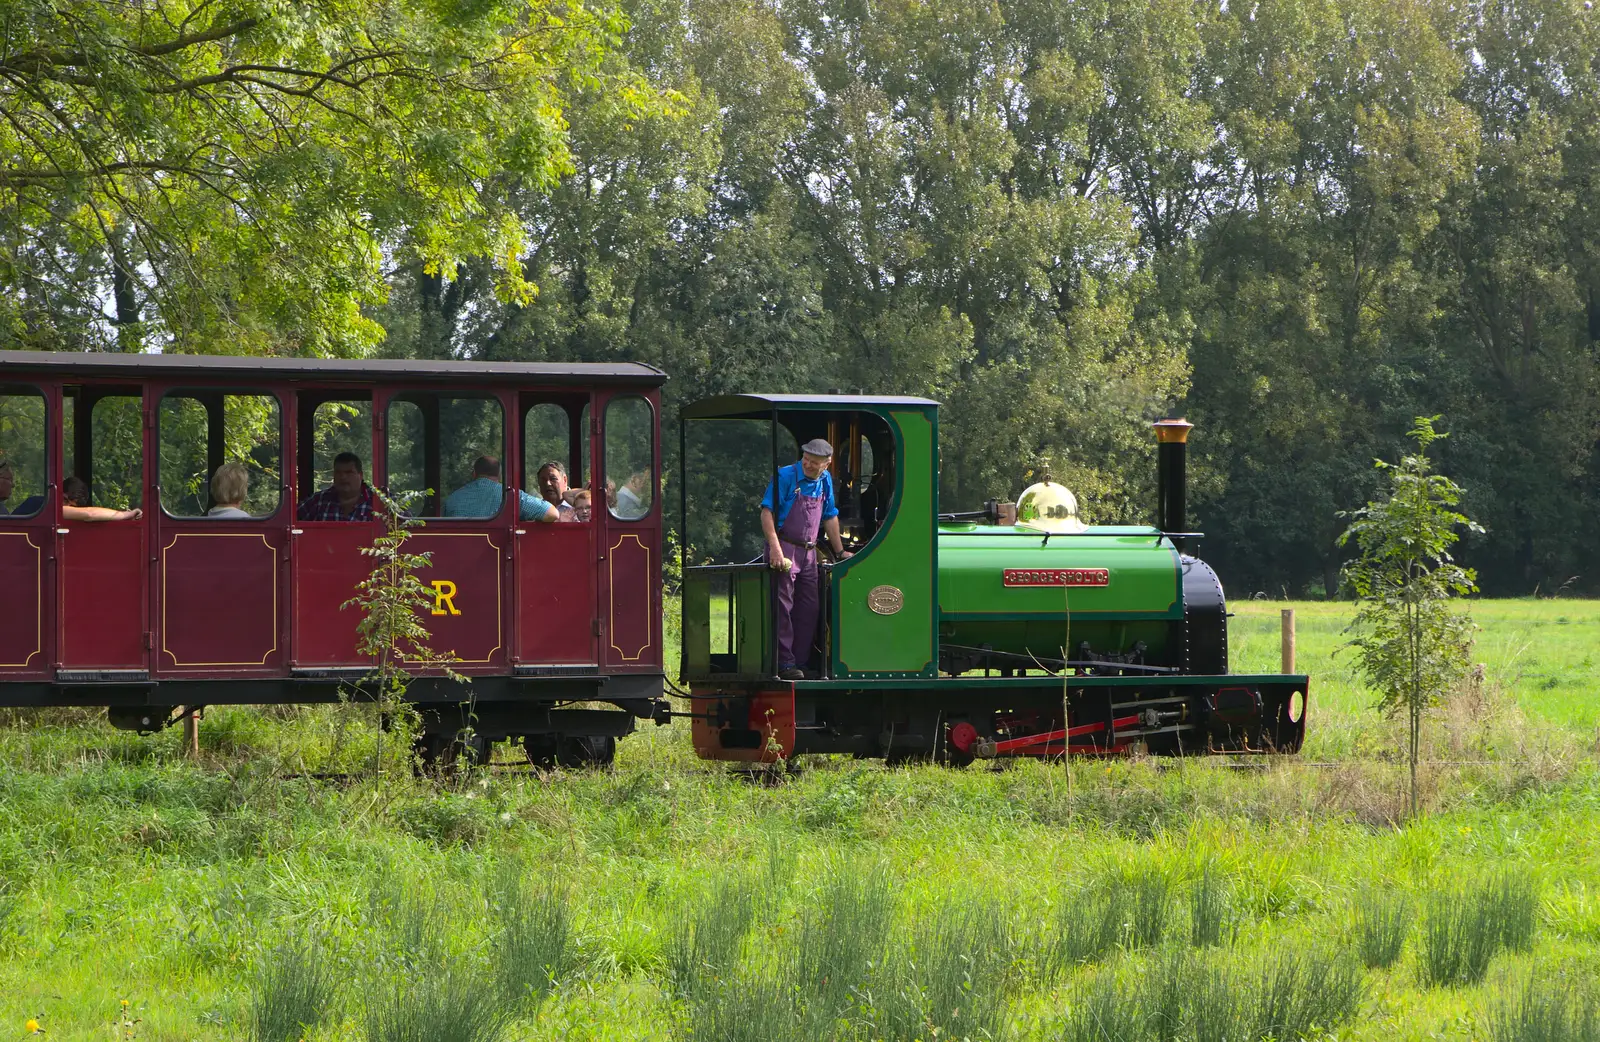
(238, 177)
(1411, 642)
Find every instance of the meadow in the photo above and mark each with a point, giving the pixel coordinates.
(299, 872)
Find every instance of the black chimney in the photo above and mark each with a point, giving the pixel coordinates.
(1172, 477)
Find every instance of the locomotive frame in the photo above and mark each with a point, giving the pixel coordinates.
(157, 617)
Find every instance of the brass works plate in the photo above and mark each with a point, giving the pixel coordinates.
(885, 600)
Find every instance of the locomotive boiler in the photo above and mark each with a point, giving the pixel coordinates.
(1017, 630)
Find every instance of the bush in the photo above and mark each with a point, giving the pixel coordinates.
(448, 1002)
(705, 946)
(1210, 910)
(952, 982)
(1383, 919)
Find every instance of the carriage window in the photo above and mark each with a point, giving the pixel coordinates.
(449, 448)
(22, 452)
(220, 454)
(630, 457)
(336, 428)
(549, 432)
(106, 451)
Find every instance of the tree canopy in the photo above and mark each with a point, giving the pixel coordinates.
(1301, 222)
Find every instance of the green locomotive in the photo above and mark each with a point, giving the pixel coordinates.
(1004, 632)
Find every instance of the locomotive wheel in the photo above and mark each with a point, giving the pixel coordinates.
(442, 752)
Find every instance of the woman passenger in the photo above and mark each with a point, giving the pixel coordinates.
(229, 487)
(75, 504)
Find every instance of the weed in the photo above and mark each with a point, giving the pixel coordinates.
(1514, 900)
(295, 990)
(1383, 919)
(1149, 900)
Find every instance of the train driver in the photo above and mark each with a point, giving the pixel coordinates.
(349, 498)
(804, 503)
(482, 496)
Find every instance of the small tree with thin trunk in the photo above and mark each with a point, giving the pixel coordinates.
(1412, 643)
(393, 602)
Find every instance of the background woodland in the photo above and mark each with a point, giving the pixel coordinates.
(1302, 223)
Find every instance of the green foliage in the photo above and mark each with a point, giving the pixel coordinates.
(296, 989)
(1411, 644)
(1210, 909)
(535, 950)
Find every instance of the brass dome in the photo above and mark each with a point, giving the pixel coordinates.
(1048, 507)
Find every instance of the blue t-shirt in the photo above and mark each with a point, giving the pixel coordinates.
(482, 497)
(792, 481)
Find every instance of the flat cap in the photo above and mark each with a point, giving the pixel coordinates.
(817, 447)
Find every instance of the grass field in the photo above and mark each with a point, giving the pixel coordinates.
(671, 899)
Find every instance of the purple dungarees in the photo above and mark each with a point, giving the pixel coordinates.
(797, 588)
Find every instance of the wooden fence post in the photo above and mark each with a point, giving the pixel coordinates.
(191, 734)
(1288, 640)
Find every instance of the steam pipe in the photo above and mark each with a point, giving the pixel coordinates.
(1172, 477)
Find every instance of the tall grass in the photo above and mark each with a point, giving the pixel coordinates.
(534, 950)
(1546, 1011)
(841, 944)
(1382, 923)
(951, 982)
(1210, 909)
(1465, 928)
(450, 1002)
(1286, 995)
(295, 991)
(706, 941)
(1123, 909)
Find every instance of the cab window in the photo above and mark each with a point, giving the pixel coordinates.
(551, 431)
(220, 454)
(23, 478)
(630, 458)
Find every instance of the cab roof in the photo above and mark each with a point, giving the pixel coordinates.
(758, 406)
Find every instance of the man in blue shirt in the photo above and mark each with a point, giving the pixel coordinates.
(791, 516)
(481, 497)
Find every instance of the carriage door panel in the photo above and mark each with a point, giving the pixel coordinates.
(326, 556)
(102, 570)
(437, 441)
(630, 548)
(555, 563)
(27, 542)
(219, 579)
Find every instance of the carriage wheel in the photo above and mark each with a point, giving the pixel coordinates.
(441, 753)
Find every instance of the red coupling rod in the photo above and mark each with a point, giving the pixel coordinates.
(1011, 745)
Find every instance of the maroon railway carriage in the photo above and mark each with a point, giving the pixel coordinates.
(175, 610)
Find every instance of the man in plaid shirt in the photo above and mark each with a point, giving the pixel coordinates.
(349, 498)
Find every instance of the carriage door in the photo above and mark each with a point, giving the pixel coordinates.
(220, 533)
(445, 450)
(326, 554)
(630, 535)
(557, 629)
(27, 544)
(102, 572)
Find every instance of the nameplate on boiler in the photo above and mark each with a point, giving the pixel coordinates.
(1057, 577)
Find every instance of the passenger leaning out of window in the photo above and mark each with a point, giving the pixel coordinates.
(229, 487)
(75, 504)
(349, 498)
(553, 487)
(481, 497)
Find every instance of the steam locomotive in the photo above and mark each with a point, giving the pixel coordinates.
(1016, 630)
